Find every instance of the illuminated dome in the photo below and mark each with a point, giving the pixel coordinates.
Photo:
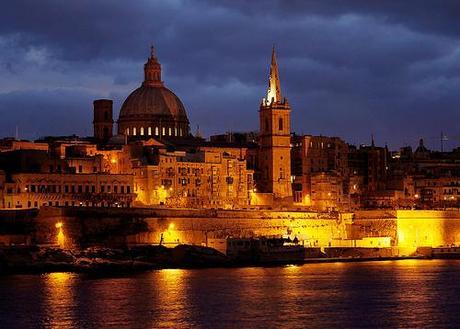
(152, 109)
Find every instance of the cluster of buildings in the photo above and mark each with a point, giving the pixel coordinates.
(154, 160)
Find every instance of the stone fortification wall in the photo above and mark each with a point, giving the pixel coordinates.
(428, 228)
(143, 225)
(315, 231)
(112, 226)
(373, 223)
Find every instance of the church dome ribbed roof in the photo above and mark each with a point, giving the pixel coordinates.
(153, 109)
(153, 102)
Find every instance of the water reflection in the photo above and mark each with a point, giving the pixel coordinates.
(171, 308)
(373, 294)
(58, 300)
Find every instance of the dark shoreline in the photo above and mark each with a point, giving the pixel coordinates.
(104, 261)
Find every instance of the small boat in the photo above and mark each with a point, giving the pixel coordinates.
(446, 252)
(264, 250)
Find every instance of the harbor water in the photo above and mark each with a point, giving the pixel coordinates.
(391, 294)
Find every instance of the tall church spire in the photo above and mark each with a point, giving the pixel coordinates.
(274, 86)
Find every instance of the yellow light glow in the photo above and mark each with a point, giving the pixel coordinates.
(171, 226)
(59, 225)
(61, 237)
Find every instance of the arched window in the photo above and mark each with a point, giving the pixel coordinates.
(163, 131)
(280, 124)
(134, 131)
(281, 173)
(157, 131)
(175, 131)
(169, 131)
(180, 132)
(142, 131)
(149, 131)
(127, 132)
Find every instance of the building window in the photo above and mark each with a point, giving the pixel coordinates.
(127, 131)
(175, 131)
(134, 131)
(169, 131)
(163, 131)
(180, 132)
(149, 131)
(142, 131)
(267, 125)
(280, 124)
(157, 132)
(80, 169)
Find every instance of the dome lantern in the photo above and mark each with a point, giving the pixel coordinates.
(152, 70)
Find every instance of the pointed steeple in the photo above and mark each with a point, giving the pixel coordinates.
(274, 86)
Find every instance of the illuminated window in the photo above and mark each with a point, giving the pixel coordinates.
(175, 131)
(157, 132)
(180, 131)
(163, 131)
(134, 131)
(142, 131)
(169, 131)
(149, 131)
(127, 131)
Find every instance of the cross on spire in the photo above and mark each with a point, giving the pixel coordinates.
(152, 51)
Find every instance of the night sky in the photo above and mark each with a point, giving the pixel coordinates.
(348, 68)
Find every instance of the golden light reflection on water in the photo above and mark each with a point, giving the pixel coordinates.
(170, 285)
(59, 300)
(410, 293)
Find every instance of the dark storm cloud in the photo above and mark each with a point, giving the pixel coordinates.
(349, 68)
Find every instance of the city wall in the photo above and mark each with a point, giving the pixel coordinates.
(407, 230)
(173, 226)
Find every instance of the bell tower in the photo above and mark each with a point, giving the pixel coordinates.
(275, 138)
(103, 119)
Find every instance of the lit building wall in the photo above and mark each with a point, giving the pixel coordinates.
(30, 190)
(426, 228)
(206, 179)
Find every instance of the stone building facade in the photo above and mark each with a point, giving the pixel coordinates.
(320, 171)
(34, 190)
